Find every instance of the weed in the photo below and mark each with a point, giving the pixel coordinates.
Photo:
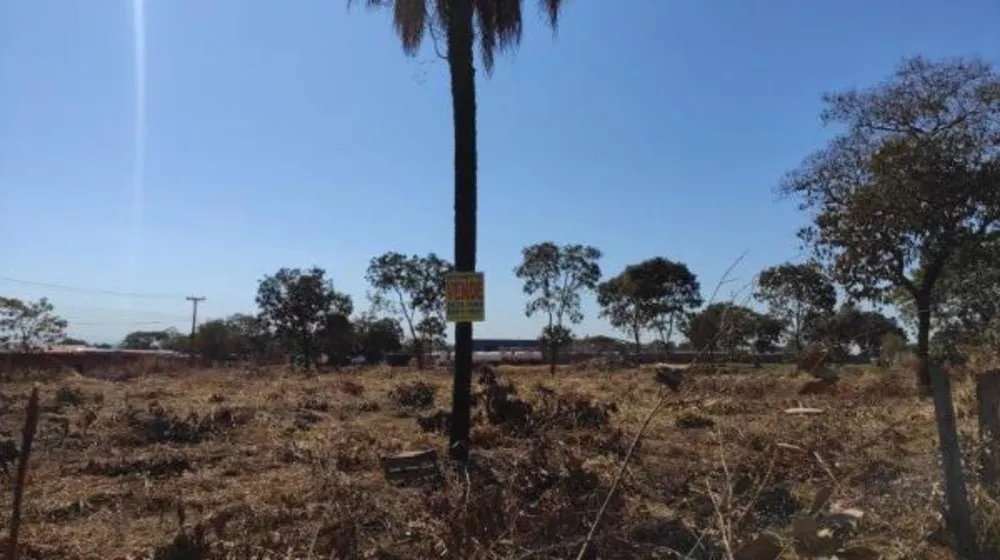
(414, 395)
(70, 396)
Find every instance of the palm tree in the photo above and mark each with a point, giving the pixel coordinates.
(496, 26)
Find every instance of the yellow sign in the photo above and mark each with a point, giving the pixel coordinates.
(463, 296)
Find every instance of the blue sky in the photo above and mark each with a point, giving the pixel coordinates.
(297, 133)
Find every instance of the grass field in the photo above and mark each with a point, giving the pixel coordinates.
(269, 464)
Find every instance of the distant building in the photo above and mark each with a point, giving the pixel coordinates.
(502, 344)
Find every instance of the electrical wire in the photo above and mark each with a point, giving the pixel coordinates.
(88, 290)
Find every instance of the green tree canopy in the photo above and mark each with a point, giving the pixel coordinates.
(29, 325)
(377, 337)
(555, 277)
(651, 295)
(733, 329)
(304, 311)
(797, 295)
(412, 288)
(909, 182)
(853, 328)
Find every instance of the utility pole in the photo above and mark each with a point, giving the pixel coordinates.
(194, 322)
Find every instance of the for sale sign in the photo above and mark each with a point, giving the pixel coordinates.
(464, 300)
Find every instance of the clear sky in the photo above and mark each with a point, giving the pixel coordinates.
(229, 138)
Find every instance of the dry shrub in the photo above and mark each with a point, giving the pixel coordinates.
(155, 467)
(667, 533)
(487, 436)
(613, 442)
(79, 509)
(608, 363)
(573, 410)
(502, 407)
(339, 521)
(157, 425)
(690, 420)
(704, 368)
(315, 403)
(363, 405)
(986, 512)
(891, 385)
(305, 419)
(414, 395)
(438, 422)
(352, 388)
(70, 396)
(542, 501)
(748, 386)
(354, 452)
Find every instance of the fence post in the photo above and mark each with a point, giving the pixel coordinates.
(988, 401)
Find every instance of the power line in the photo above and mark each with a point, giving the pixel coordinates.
(120, 323)
(90, 310)
(89, 291)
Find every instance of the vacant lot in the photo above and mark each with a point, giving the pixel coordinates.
(269, 464)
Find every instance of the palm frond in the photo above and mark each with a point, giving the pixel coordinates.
(499, 23)
(409, 18)
(551, 8)
(500, 26)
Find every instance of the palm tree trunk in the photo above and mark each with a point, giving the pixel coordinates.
(463, 97)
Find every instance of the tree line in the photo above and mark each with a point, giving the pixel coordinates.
(302, 317)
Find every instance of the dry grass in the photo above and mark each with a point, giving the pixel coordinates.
(234, 464)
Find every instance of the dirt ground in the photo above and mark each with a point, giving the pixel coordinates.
(238, 463)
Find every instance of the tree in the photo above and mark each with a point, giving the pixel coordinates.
(671, 290)
(175, 341)
(303, 310)
(891, 347)
(496, 26)
(767, 331)
(29, 326)
(413, 288)
(377, 337)
(432, 331)
(70, 341)
(601, 344)
(150, 340)
(732, 328)
(552, 340)
(852, 327)
(653, 294)
(216, 340)
(554, 279)
(909, 182)
(622, 304)
(796, 294)
(337, 339)
(253, 340)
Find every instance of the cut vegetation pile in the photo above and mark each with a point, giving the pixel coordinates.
(217, 464)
